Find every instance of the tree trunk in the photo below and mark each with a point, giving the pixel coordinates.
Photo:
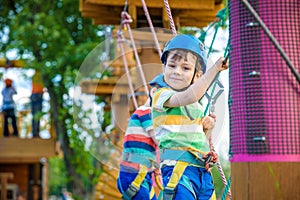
(75, 181)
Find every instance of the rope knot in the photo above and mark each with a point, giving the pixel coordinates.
(210, 157)
(126, 18)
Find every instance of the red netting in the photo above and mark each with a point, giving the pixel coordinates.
(264, 94)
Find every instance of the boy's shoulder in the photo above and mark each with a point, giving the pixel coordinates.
(143, 107)
(142, 110)
(163, 89)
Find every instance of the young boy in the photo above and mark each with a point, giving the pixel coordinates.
(179, 121)
(139, 159)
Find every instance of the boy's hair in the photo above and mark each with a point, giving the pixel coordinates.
(179, 54)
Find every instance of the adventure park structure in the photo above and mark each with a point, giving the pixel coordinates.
(24, 161)
(264, 92)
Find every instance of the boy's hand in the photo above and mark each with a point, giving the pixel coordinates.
(208, 122)
(221, 64)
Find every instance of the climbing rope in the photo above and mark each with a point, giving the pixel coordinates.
(120, 41)
(221, 15)
(170, 17)
(120, 44)
(126, 20)
(212, 149)
(226, 189)
(220, 19)
(151, 27)
(203, 34)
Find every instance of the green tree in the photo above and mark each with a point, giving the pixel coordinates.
(54, 38)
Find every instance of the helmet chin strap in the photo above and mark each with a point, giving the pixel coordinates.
(195, 70)
(183, 89)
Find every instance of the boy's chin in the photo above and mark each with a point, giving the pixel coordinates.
(178, 87)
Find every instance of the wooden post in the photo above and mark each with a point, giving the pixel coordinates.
(4, 178)
(2, 125)
(44, 184)
(265, 180)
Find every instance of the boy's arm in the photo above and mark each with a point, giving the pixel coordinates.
(198, 89)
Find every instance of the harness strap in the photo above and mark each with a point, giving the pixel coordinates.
(158, 182)
(152, 192)
(178, 170)
(135, 185)
(186, 156)
(131, 157)
(145, 163)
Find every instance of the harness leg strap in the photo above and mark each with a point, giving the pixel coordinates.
(177, 173)
(134, 187)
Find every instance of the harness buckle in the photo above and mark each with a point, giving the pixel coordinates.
(156, 165)
(168, 193)
(126, 156)
(131, 190)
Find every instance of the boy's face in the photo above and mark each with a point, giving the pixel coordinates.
(179, 70)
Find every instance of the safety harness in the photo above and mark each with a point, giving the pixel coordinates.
(136, 184)
(183, 159)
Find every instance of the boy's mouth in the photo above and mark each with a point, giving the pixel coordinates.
(176, 79)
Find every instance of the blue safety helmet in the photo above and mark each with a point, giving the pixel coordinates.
(186, 42)
(158, 81)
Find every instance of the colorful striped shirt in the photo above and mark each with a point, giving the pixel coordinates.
(137, 140)
(173, 127)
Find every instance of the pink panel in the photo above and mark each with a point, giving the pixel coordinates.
(264, 94)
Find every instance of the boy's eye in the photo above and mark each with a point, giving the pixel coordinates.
(186, 68)
(171, 65)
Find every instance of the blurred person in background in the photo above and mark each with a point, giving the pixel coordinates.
(8, 108)
(36, 100)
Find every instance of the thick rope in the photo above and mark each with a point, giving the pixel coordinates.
(212, 148)
(126, 20)
(214, 37)
(151, 27)
(170, 17)
(211, 143)
(221, 16)
(120, 43)
(226, 190)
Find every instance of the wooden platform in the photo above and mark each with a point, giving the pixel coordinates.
(193, 13)
(265, 180)
(18, 150)
(11, 63)
(104, 87)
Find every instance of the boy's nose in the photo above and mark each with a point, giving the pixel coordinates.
(177, 70)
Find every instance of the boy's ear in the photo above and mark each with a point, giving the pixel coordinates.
(198, 74)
